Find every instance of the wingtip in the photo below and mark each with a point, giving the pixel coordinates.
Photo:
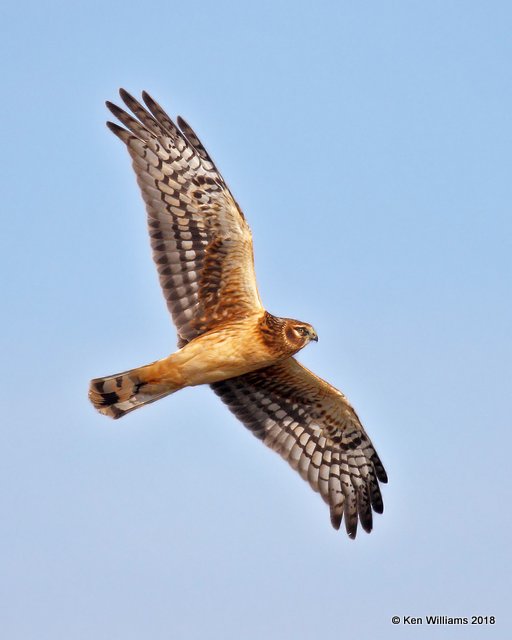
(111, 107)
(367, 524)
(351, 528)
(116, 129)
(336, 518)
(131, 102)
(125, 95)
(148, 101)
(378, 508)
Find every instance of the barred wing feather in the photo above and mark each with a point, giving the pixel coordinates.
(312, 426)
(202, 245)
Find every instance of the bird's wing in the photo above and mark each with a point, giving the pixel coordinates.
(312, 426)
(202, 245)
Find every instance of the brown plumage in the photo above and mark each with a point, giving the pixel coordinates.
(202, 248)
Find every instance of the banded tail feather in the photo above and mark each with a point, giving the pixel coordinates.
(117, 395)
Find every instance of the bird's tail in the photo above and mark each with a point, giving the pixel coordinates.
(121, 393)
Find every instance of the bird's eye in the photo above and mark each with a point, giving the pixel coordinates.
(302, 331)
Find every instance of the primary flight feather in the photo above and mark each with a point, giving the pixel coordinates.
(202, 247)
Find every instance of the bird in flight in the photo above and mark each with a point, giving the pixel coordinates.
(202, 248)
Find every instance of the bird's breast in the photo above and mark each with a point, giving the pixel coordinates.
(230, 351)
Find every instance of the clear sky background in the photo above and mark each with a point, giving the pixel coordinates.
(369, 144)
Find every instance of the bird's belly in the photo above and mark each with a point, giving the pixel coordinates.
(218, 356)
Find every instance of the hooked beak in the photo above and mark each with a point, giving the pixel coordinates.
(314, 336)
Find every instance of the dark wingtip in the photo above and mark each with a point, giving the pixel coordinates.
(379, 469)
(114, 109)
(148, 101)
(351, 526)
(367, 523)
(115, 128)
(336, 520)
(128, 99)
(126, 96)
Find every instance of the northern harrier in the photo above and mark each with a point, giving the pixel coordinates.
(202, 248)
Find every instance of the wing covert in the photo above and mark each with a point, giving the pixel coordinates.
(202, 245)
(312, 426)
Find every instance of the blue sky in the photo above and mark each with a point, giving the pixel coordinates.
(369, 145)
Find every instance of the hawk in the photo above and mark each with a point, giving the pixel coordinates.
(202, 247)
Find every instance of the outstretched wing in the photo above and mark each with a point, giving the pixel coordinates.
(312, 426)
(202, 245)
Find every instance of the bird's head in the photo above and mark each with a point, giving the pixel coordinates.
(299, 334)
